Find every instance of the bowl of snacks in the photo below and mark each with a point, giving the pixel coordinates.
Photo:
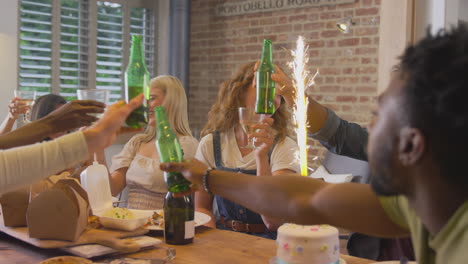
(124, 219)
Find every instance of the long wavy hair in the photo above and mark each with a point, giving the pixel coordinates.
(224, 116)
(175, 104)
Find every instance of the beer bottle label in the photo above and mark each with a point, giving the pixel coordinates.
(189, 229)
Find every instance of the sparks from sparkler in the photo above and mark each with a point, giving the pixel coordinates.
(301, 82)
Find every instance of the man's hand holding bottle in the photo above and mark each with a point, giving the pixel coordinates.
(193, 170)
(103, 133)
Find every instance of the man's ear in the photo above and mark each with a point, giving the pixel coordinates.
(411, 146)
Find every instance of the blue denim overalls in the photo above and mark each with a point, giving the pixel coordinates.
(230, 210)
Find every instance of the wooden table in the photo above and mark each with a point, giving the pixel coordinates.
(210, 246)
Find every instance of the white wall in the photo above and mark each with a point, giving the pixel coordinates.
(428, 12)
(451, 12)
(162, 43)
(395, 33)
(463, 10)
(8, 53)
(439, 14)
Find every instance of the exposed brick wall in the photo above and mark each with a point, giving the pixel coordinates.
(348, 62)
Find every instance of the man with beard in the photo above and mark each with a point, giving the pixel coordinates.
(416, 150)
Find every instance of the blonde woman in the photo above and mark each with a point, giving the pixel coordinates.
(137, 165)
(221, 148)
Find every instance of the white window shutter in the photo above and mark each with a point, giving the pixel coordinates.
(35, 46)
(38, 67)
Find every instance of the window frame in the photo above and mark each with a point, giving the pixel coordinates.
(92, 32)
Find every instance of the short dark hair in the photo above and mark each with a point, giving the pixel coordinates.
(435, 71)
(46, 104)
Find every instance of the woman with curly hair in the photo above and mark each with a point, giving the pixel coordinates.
(221, 147)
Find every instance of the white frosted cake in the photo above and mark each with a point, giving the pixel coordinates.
(298, 244)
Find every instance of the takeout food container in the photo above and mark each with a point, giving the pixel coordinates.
(322, 173)
(14, 207)
(141, 218)
(46, 184)
(338, 178)
(59, 213)
(95, 180)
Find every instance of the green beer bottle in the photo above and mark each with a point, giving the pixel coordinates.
(169, 150)
(179, 215)
(137, 80)
(265, 86)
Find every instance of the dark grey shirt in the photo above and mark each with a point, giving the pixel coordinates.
(342, 137)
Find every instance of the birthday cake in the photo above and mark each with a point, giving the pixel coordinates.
(298, 244)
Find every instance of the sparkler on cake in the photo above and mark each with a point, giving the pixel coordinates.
(301, 81)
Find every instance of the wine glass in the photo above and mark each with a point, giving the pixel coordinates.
(27, 100)
(248, 118)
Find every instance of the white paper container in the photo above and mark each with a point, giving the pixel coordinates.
(141, 218)
(338, 178)
(322, 173)
(95, 180)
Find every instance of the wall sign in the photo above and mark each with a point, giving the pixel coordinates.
(256, 6)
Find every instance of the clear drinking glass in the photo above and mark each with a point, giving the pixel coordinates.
(93, 94)
(248, 118)
(27, 99)
(99, 95)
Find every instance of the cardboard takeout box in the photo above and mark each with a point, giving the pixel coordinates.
(14, 207)
(60, 212)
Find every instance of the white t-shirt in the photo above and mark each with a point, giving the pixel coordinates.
(145, 171)
(284, 155)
